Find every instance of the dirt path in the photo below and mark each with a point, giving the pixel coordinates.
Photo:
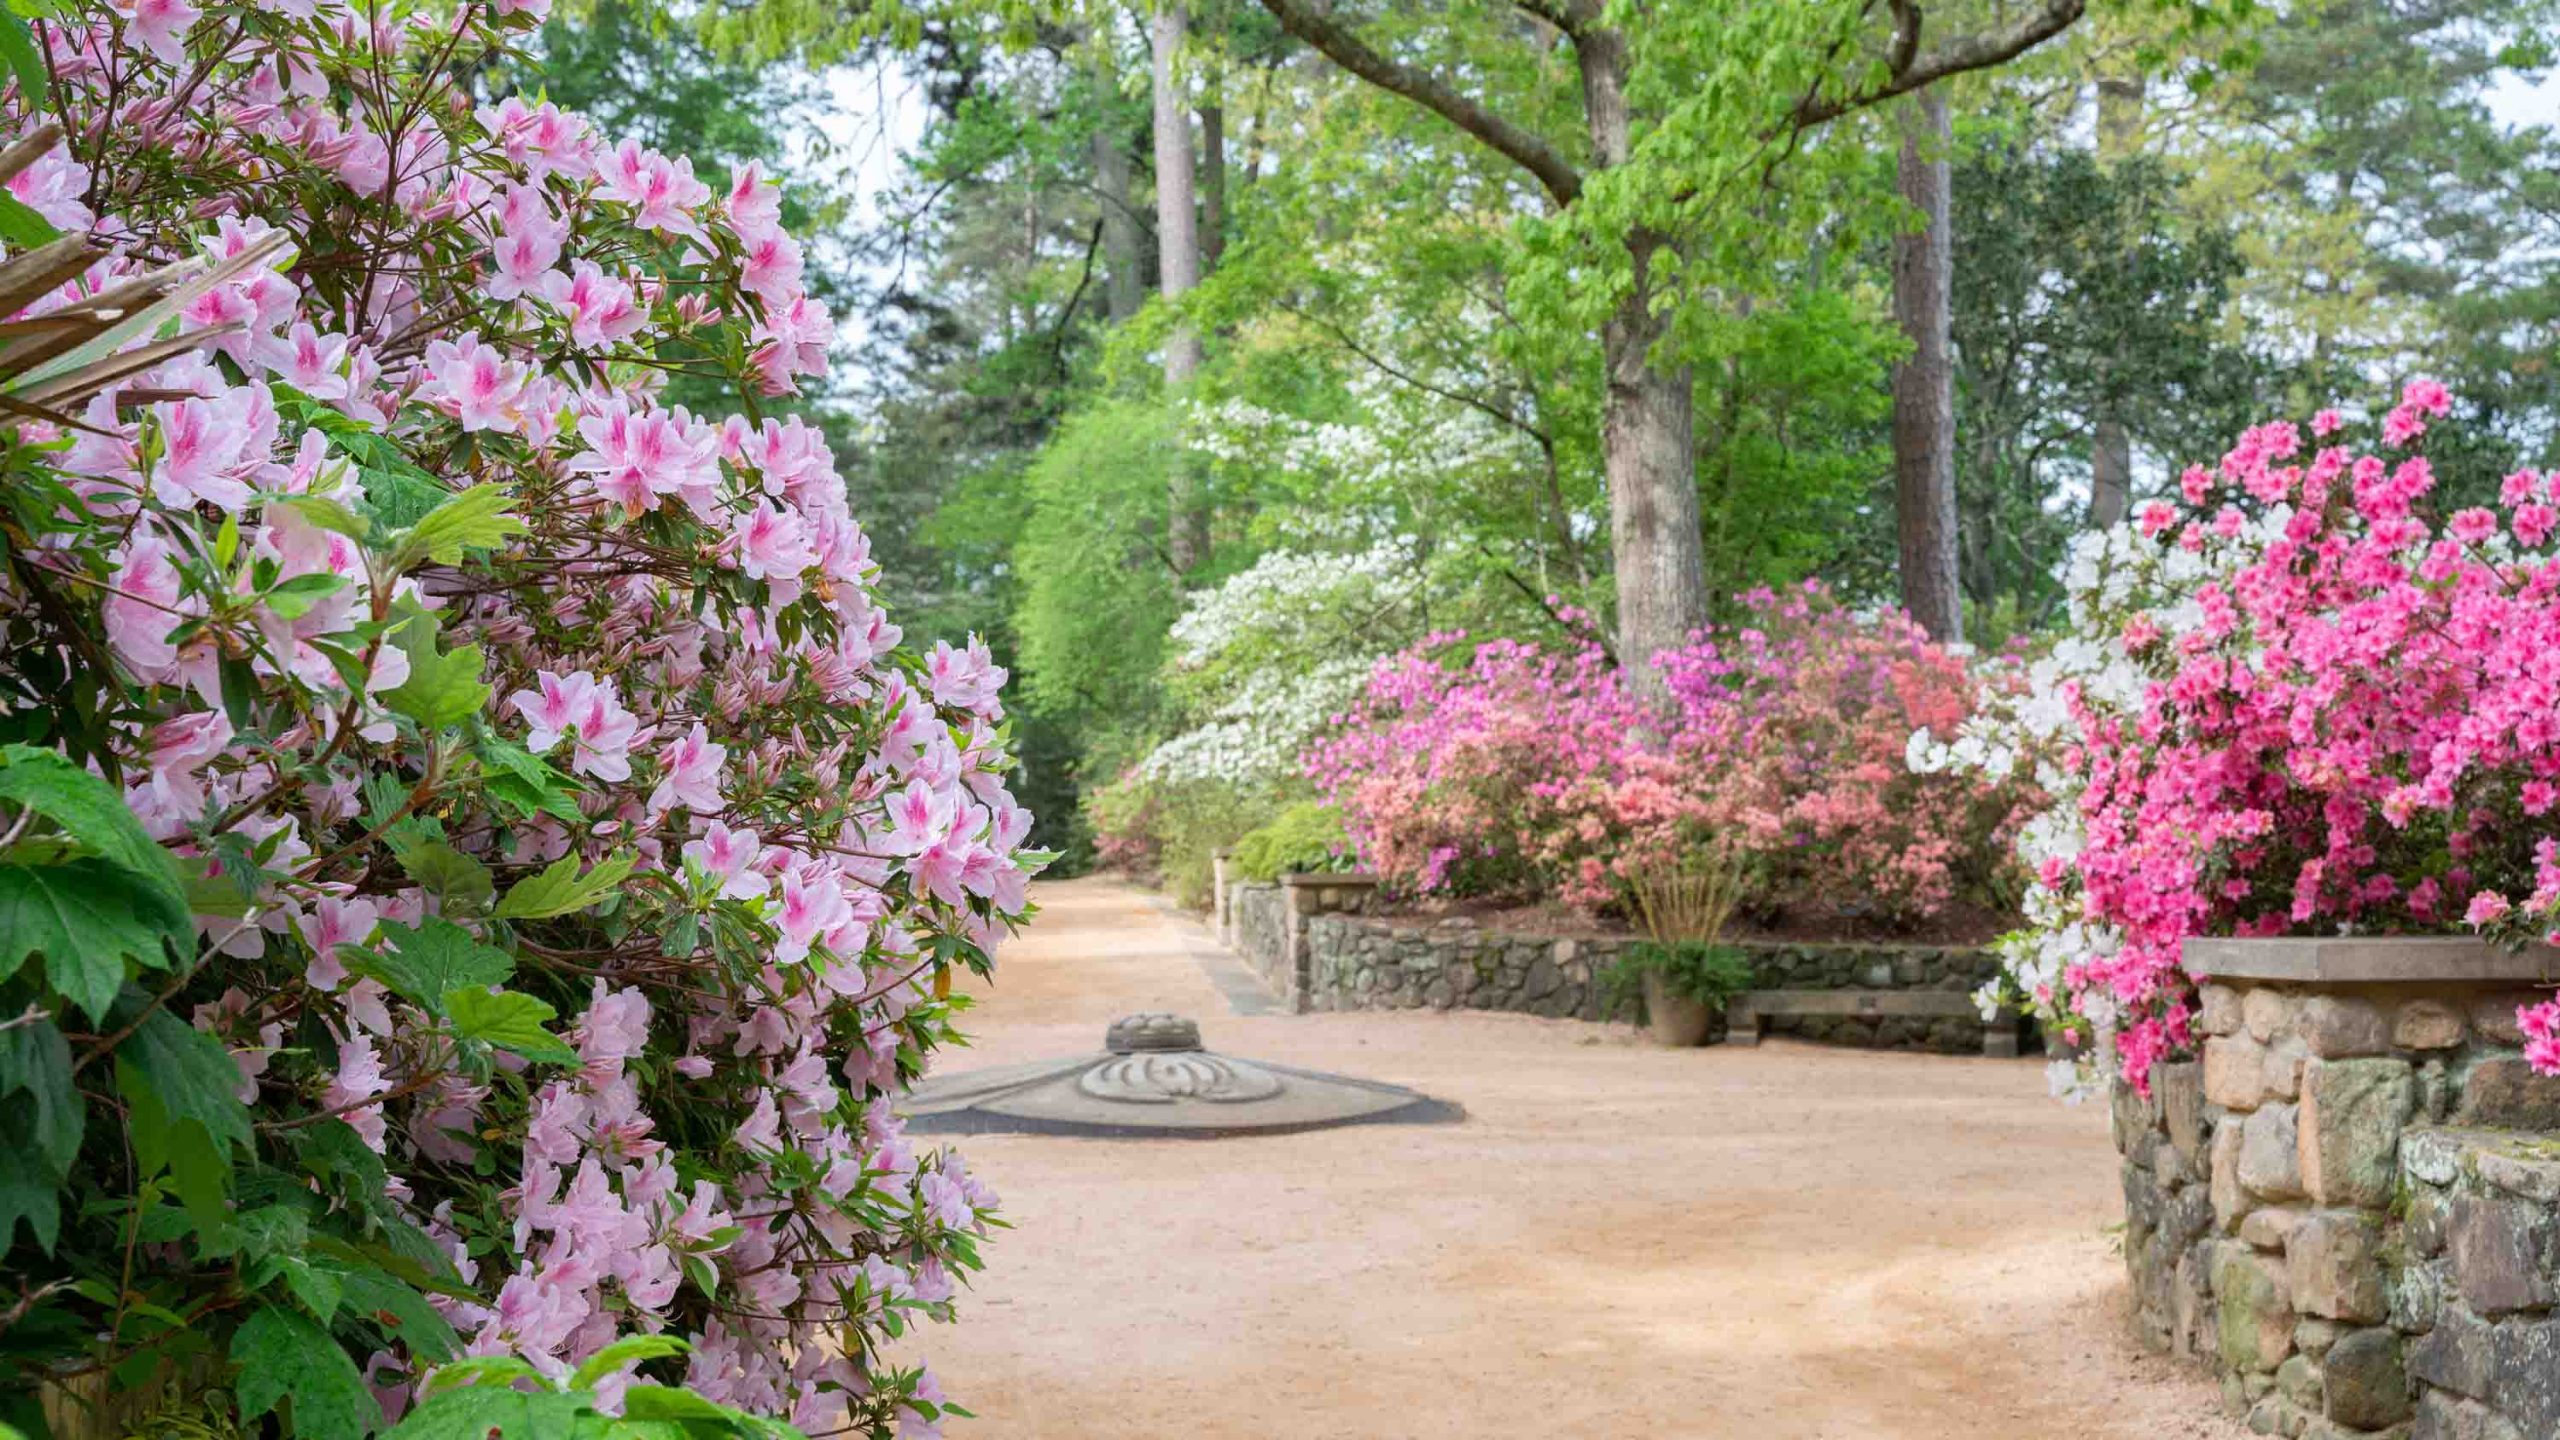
(1778, 1244)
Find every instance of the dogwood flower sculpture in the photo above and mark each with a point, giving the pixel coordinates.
(475, 862)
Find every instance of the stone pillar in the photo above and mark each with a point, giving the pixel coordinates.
(2349, 1203)
(1221, 917)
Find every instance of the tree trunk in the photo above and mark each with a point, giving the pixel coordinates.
(1177, 267)
(2111, 445)
(1123, 239)
(1924, 429)
(1647, 433)
(1213, 185)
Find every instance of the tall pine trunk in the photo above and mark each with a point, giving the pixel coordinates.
(1924, 421)
(1177, 269)
(1213, 186)
(2110, 443)
(1647, 431)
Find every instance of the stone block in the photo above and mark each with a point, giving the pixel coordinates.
(2333, 1267)
(2444, 1416)
(2504, 1092)
(2218, 1010)
(2434, 1156)
(2417, 1295)
(2256, 1309)
(2235, 1072)
(2230, 1197)
(2422, 1226)
(2281, 1073)
(2298, 1380)
(2504, 1251)
(2428, 1025)
(2268, 1013)
(2534, 1177)
(2340, 1027)
(2179, 1086)
(2459, 1354)
(2275, 1415)
(2352, 1111)
(2494, 1015)
(2271, 1153)
(2313, 1336)
(2365, 1380)
(2129, 1122)
(2271, 1228)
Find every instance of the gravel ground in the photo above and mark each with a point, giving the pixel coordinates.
(1772, 1244)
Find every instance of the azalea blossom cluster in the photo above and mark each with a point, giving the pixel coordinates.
(563, 820)
(2299, 698)
(1782, 736)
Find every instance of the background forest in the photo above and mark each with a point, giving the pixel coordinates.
(1197, 372)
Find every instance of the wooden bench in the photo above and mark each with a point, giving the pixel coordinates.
(1750, 1011)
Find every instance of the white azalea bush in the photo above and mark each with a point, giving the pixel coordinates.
(1259, 666)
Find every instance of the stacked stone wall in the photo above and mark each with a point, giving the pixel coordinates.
(2349, 1205)
(1357, 962)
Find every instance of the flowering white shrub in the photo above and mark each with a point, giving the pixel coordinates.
(475, 862)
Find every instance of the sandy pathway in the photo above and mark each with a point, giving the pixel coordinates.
(1778, 1244)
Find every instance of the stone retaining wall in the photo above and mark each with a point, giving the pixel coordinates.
(2350, 1204)
(1368, 963)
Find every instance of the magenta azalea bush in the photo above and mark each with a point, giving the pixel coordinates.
(1520, 771)
(475, 862)
(2300, 700)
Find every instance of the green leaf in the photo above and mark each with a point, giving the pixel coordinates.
(495, 1371)
(443, 870)
(477, 1412)
(86, 919)
(665, 1402)
(401, 1312)
(523, 782)
(183, 1074)
(281, 1352)
(294, 598)
(508, 1019)
(325, 513)
(438, 956)
(561, 890)
(472, 519)
(35, 1061)
(630, 1350)
(25, 61)
(443, 688)
(90, 811)
(22, 227)
(29, 1196)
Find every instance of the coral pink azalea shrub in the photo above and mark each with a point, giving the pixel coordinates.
(475, 861)
(2298, 699)
(1519, 770)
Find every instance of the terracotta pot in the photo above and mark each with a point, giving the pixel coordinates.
(1674, 1020)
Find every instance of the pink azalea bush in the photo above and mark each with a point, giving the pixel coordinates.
(1522, 770)
(2308, 700)
(475, 861)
